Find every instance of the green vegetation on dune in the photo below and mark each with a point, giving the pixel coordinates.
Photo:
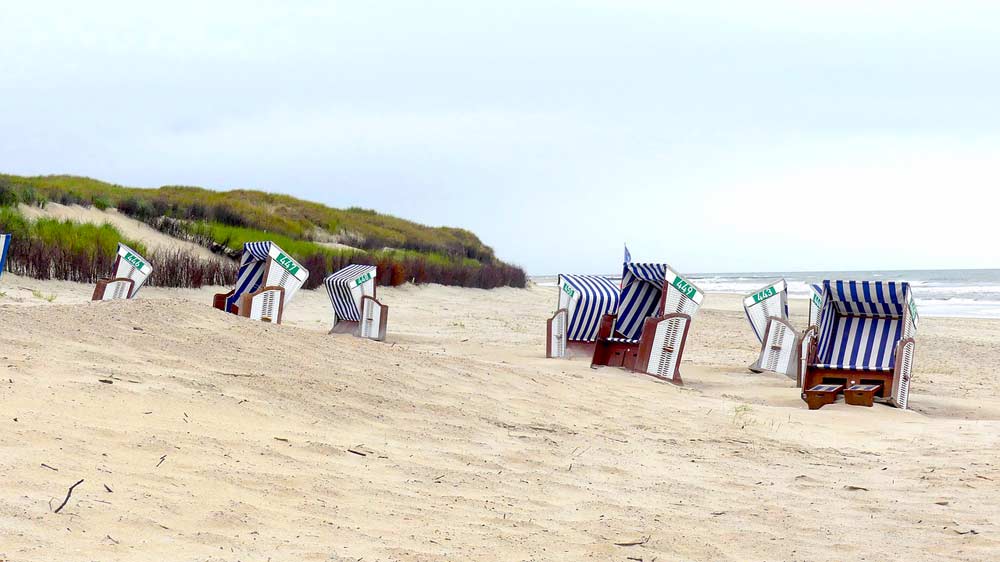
(48, 248)
(270, 212)
(224, 221)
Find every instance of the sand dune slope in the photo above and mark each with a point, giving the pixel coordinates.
(202, 436)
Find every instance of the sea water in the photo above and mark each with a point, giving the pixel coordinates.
(971, 293)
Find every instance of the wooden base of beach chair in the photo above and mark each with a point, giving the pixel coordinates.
(861, 394)
(848, 378)
(345, 327)
(265, 304)
(612, 353)
(111, 289)
(821, 395)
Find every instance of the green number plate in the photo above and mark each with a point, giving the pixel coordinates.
(684, 287)
(287, 263)
(765, 294)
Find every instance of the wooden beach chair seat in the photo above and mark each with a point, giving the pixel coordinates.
(864, 337)
(649, 328)
(778, 342)
(583, 302)
(355, 307)
(130, 272)
(266, 282)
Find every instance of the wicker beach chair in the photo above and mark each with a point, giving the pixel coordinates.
(266, 282)
(583, 301)
(130, 272)
(355, 308)
(4, 248)
(648, 330)
(767, 312)
(863, 344)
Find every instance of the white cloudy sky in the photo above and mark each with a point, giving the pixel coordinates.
(717, 136)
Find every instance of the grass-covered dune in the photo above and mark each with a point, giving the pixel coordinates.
(313, 233)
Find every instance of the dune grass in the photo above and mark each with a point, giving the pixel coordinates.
(71, 251)
(271, 212)
(224, 221)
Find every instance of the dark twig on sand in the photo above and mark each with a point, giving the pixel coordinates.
(49, 467)
(356, 452)
(110, 491)
(163, 458)
(641, 541)
(68, 494)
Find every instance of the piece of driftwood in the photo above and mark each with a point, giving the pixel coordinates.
(641, 541)
(68, 494)
(163, 458)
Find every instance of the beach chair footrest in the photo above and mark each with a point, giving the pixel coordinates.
(821, 395)
(861, 394)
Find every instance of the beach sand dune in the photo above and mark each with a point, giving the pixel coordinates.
(202, 436)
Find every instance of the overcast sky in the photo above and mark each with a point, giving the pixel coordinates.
(716, 136)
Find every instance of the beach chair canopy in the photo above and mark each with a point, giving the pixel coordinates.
(642, 293)
(861, 322)
(4, 247)
(586, 298)
(256, 272)
(130, 265)
(768, 301)
(347, 286)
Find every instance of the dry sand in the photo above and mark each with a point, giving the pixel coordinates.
(216, 438)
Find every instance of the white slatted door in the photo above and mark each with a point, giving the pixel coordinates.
(265, 306)
(559, 326)
(666, 349)
(371, 318)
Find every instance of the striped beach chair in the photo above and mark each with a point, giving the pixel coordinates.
(355, 308)
(863, 343)
(583, 301)
(130, 272)
(767, 312)
(267, 280)
(648, 331)
(4, 248)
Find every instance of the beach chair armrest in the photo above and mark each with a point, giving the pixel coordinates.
(219, 300)
(111, 289)
(607, 327)
(807, 351)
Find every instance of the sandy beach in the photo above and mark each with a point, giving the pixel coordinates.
(202, 436)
